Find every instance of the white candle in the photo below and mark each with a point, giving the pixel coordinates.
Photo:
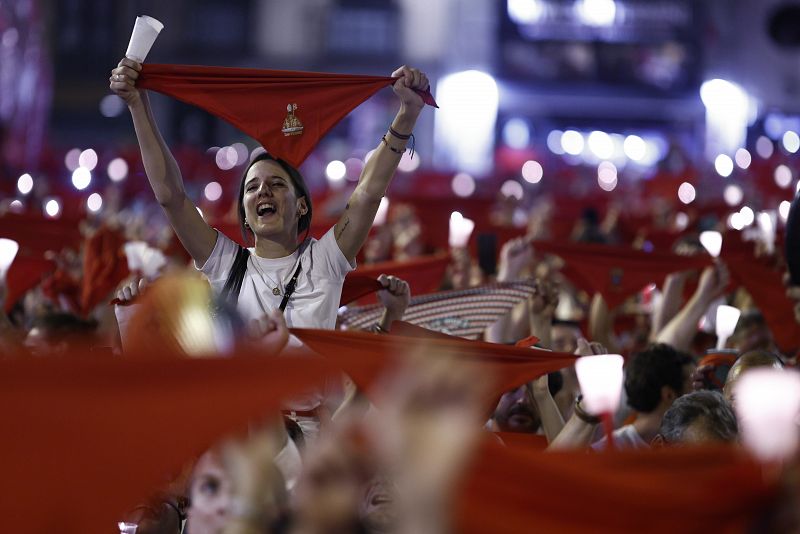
(460, 230)
(8, 251)
(712, 241)
(145, 31)
(727, 317)
(600, 378)
(767, 406)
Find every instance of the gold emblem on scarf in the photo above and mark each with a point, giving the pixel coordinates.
(291, 124)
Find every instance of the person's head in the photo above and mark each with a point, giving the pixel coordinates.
(745, 362)
(699, 417)
(751, 333)
(657, 376)
(516, 412)
(273, 199)
(378, 507)
(210, 492)
(564, 336)
(58, 332)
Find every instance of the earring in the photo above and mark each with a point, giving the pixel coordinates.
(246, 225)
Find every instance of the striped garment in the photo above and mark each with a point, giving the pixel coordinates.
(462, 312)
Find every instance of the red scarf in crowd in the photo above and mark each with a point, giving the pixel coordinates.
(287, 112)
(616, 272)
(104, 266)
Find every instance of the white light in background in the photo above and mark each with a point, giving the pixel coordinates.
(686, 193)
(16, 206)
(601, 145)
(572, 142)
(354, 168)
(336, 171)
(463, 184)
(111, 106)
(681, 221)
(532, 172)
(409, 163)
(635, 147)
(596, 12)
(117, 169)
(791, 142)
(88, 159)
(464, 128)
(767, 221)
(512, 188)
(733, 195)
(764, 147)
(226, 158)
(652, 153)
(242, 154)
(747, 216)
(728, 111)
(213, 191)
(783, 176)
(94, 202)
(783, 209)
(607, 176)
(554, 142)
(81, 178)
(525, 11)
(52, 208)
(743, 158)
(516, 133)
(724, 165)
(25, 184)
(71, 159)
(460, 230)
(736, 221)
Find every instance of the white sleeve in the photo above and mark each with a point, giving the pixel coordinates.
(220, 262)
(332, 257)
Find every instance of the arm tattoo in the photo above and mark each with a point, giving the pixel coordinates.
(344, 227)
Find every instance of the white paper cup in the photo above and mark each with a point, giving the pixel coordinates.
(145, 31)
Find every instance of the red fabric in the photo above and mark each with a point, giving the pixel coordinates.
(255, 101)
(89, 438)
(764, 282)
(368, 356)
(357, 285)
(25, 273)
(104, 266)
(62, 285)
(424, 274)
(616, 272)
(514, 490)
(523, 440)
(36, 234)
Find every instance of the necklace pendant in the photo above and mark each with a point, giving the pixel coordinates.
(276, 291)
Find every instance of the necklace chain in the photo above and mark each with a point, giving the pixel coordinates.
(276, 287)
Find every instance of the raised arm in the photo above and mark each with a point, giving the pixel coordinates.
(197, 237)
(353, 227)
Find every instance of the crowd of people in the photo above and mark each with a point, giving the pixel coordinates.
(390, 458)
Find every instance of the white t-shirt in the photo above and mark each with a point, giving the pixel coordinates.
(625, 438)
(315, 301)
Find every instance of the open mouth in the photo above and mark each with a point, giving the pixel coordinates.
(265, 209)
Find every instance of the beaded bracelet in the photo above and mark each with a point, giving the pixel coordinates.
(405, 138)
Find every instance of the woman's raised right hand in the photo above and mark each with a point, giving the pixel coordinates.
(123, 80)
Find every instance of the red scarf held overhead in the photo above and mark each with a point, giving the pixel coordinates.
(104, 266)
(615, 272)
(287, 112)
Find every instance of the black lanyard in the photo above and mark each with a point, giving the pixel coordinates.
(290, 287)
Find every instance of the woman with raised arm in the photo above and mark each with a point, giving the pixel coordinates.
(302, 278)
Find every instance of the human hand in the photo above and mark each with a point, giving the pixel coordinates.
(713, 282)
(545, 299)
(515, 255)
(404, 88)
(395, 298)
(700, 377)
(587, 348)
(270, 331)
(123, 81)
(130, 291)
